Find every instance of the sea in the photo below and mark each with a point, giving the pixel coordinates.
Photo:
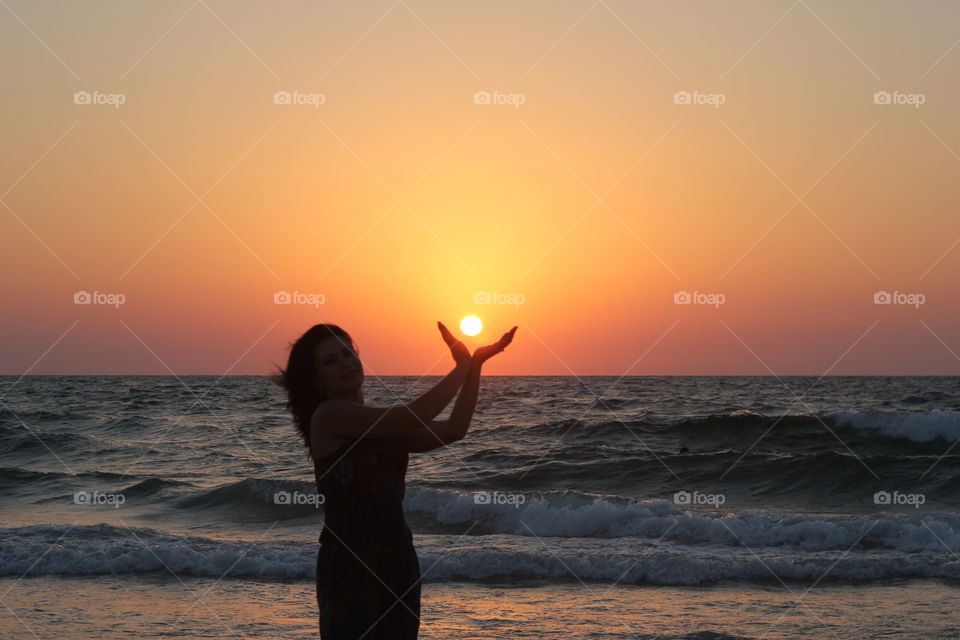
(597, 507)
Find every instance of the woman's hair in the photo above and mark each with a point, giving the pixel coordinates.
(299, 378)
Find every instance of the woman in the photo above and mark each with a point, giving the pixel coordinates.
(368, 574)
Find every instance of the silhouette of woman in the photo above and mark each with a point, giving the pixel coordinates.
(368, 574)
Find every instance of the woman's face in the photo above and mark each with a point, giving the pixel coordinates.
(339, 371)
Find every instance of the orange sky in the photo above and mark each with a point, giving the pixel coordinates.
(589, 193)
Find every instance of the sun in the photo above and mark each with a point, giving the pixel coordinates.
(471, 325)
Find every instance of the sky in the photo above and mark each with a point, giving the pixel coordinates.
(643, 188)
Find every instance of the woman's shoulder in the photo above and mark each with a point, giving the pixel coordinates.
(322, 442)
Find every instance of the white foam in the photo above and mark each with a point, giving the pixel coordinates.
(915, 426)
(574, 514)
(102, 549)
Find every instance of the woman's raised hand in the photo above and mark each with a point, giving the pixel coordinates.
(461, 355)
(482, 354)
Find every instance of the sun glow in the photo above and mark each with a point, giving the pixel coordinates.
(471, 325)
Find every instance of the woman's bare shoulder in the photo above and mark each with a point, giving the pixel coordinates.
(322, 443)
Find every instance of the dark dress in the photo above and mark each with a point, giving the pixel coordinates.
(368, 574)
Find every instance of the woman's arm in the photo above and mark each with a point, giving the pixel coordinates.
(442, 432)
(353, 420)
(459, 421)
(430, 404)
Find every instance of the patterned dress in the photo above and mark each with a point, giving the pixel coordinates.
(368, 574)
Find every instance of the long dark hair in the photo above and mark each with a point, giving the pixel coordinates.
(299, 378)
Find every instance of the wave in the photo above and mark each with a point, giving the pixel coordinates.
(569, 514)
(106, 549)
(821, 481)
(916, 426)
(152, 486)
(257, 497)
(42, 441)
(15, 476)
(800, 480)
(251, 496)
(716, 430)
(913, 426)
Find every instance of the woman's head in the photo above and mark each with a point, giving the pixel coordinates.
(323, 363)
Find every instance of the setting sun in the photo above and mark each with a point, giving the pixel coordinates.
(471, 325)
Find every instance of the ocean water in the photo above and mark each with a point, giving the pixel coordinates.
(595, 507)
